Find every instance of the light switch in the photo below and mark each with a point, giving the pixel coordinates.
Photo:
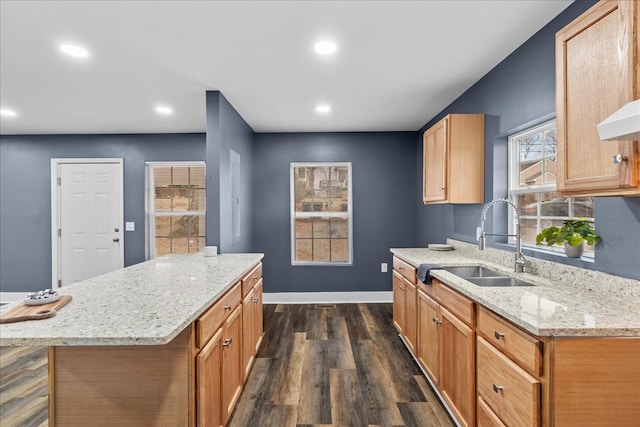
(383, 267)
(130, 226)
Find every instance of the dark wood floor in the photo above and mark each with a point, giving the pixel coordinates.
(319, 365)
(342, 365)
(23, 387)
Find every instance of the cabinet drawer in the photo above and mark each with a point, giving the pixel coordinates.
(519, 345)
(486, 417)
(457, 304)
(509, 391)
(250, 279)
(407, 270)
(211, 320)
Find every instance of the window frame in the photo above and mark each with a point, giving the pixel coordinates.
(149, 202)
(515, 190)
(297, 215)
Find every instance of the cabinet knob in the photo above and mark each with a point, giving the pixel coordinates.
(619, 158)
(436, 320)
(227, 342)
(402, 288)
(497, 388)
(498, 335)
(255, 300)
(227, 307)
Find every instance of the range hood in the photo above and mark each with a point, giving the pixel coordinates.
(623, 124)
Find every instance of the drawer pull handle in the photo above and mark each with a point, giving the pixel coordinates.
(227, 343)
(436, 321)
(498, 335)
(497, 388)
(402, 288)
(400, 268)
(227, 307)
(256, 278)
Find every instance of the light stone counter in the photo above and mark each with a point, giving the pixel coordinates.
(565, 301)
(145, 304)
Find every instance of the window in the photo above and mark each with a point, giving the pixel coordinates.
(321, 214)
(532, 184)
(176, 204)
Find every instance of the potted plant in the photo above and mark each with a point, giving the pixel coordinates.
(573, 234)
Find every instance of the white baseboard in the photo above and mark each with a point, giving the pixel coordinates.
(6, 297)
(326, 297)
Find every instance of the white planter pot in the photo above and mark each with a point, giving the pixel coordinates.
(574, 251)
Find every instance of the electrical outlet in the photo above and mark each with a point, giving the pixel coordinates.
(130, 226)
(383, 267)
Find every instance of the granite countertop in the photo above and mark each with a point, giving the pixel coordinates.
(145, 304)
(564, 301)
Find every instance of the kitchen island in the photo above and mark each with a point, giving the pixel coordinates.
(129, 349)
(563, 350)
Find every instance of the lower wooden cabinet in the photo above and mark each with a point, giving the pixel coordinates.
(225, 360)
(457, 373)
(428, 349)
(232, 369)
(509, 391)
(405, 308)
(252, 327)
(491, 372)
(445, 349)
(209, 382)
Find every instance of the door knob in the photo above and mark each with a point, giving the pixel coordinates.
(115, 239)
(116, 229)
(619, 158)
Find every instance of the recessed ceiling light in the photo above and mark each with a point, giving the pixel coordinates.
(164, 110)
(323, 109)
(74, 50)
(325, 47)
(5, 112)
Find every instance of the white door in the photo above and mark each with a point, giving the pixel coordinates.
(90, 231)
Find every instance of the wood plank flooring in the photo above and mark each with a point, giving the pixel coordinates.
(342, 365)
(319, 365)
(23, 387)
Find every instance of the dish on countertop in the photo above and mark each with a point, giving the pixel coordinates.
(439, 247)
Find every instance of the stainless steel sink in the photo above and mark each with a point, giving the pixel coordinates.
(482, 276)
(497, 281)
(467, 271)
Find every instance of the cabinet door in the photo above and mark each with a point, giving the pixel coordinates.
(232, 369)
(428, 352)
(258, 326)
(434, 171)
(457, 375)
(398, 302)
(411, 314)
(248, 349)
(596, 65)
(209, 382)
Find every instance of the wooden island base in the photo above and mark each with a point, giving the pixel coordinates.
(123, 385)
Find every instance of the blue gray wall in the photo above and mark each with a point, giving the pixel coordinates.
(384, 214)
(519, 92)
(25, 194)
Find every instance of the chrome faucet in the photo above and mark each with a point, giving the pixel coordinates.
(520, 260)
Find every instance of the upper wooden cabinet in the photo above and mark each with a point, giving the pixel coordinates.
(453, 160)
(597, 72)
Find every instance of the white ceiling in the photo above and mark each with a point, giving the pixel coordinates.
(398, 62)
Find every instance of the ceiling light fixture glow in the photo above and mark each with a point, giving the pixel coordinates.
(325, 48)
(74, 50)
(5, 112)
(323, 109)
(164, 110)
